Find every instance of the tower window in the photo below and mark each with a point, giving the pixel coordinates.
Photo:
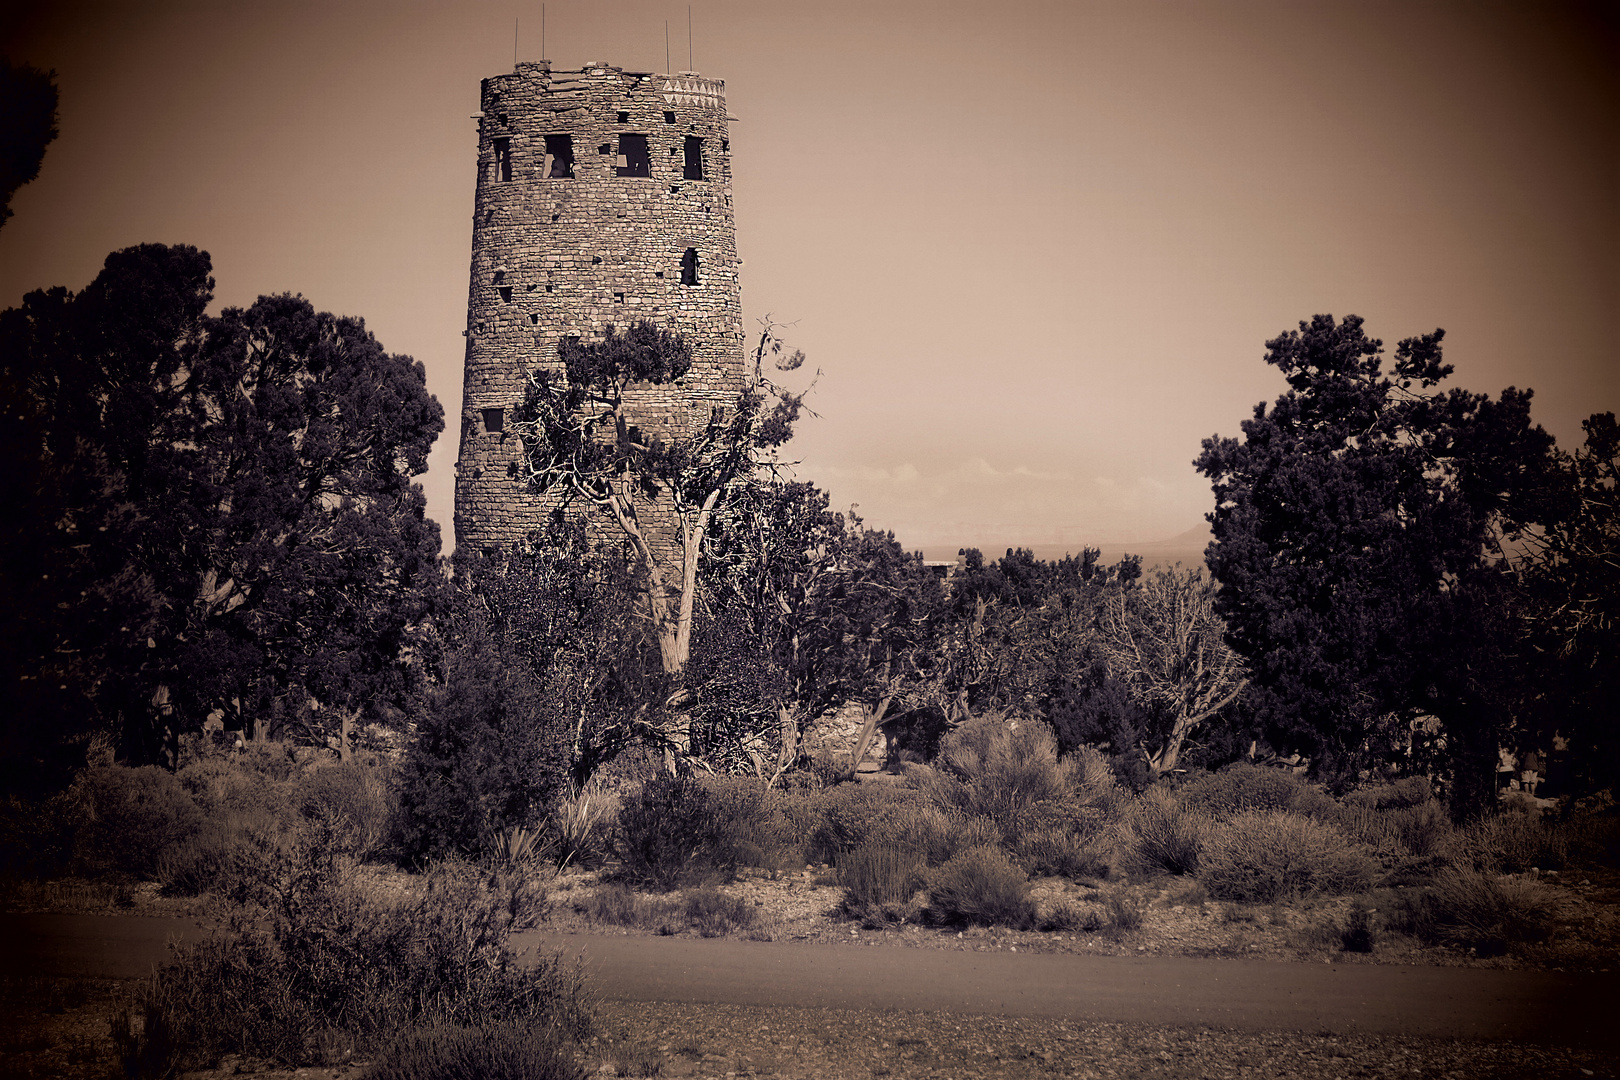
(506, 293)
(503, 158)
(559, 157)
(634, 159)
(694, 159)
(669, 117)
(689, 267)
(494, 420)
(624, 118)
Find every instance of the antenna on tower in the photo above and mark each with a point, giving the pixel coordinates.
(688, 37)
(543, 54)
(514, 44)
(666, 44)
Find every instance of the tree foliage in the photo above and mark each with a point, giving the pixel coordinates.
(27, 126)
(582, 441)
(216, 516)
(1164, 640)
(1355, 523)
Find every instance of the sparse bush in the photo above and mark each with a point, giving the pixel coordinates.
(1399, 794)
(1510, 843)
(1357, 935)
(751, 823)
(492, 1052)
(1467, 909)
(667, 835)
(843, 817)
(1267, 857)
(579, 830)
(617, 905)
(1165, 835)
(1243, 788)
(1124, 914)
(129, 818)
(1418, 831)
(360, 799)
(879, 882)
(1058, 852)
(1072, 915)
(980, 886)
(713, 913)
(1001, 771)
(325, 973)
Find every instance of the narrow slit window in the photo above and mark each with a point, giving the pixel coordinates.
(559, 157)
(503, 159)
(494, 420)
(689, 267)
(694, 159)
(634, 158)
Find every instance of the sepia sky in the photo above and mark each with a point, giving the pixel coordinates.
(1035, 248)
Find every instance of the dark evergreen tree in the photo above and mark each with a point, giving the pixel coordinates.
(1361, 527)
(216, 516)
(27, 127)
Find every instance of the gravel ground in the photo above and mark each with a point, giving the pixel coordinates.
(66, 1034)
(720, 1041)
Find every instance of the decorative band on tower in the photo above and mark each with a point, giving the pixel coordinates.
(603, 198)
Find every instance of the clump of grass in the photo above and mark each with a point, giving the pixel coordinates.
(1357, 935)
(1270, 857)
(980, 886)
(1467, 909)
(880, 881)
(713, 913)
(1072, 915)
(1165, 835)
(497, 1051)
(1124, 914)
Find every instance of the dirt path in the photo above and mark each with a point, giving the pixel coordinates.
(1536, 1007)
(1551, 1008)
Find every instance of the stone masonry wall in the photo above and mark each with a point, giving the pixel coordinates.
(557, 255)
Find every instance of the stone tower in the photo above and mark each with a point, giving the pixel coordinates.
(603, 198)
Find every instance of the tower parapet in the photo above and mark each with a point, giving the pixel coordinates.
(603, 198)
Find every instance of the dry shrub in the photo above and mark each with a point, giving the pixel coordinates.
(980, 886)
(880, 881)
(1510, 843)
(668, 835)
(713, 913)
(130, 818)
(1266, 857)
(326, 973)
(1067, 852)
(1002, 771)
(1417, 831)
(1061, 915)
(1243, 788)
(492, 1052)
(752, 823)
(360, 798)
(841, 818)
(1165, 835)
(1467, 909)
